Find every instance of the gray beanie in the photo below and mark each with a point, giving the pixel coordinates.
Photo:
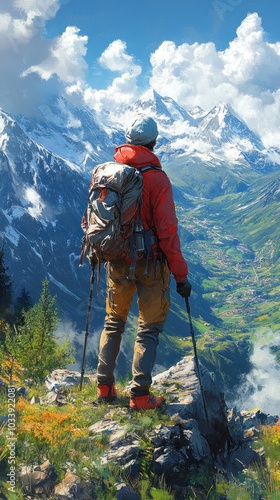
(142, 129)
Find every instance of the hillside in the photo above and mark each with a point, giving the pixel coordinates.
(68, 446)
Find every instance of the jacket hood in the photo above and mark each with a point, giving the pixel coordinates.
(136, 156)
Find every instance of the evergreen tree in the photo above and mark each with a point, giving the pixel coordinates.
(5, 288)
(10, 352)
(22, 303)
(37, 349)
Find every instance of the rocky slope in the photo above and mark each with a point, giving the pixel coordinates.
(176, 452)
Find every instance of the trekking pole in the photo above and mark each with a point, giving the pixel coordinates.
(87, 327)
(196, 360)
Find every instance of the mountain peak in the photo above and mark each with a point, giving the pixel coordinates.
(150, 95)
(150, 102)
(197, 112)
(221, 111)
(224, 124)
(164, 109)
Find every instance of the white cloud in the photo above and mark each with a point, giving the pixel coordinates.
(115, 58)
(123, 89)
(98, 99)
(183, 72)
(65, 59)
(45, 9)
(260, 387)
(23, 19)
(113, 100)
(245, 75)
(21, 45)
(250, 59)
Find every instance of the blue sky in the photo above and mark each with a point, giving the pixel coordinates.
(145, 27)
(105, 55)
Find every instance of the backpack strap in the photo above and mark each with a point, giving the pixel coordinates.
(150, 167)
(150, 237)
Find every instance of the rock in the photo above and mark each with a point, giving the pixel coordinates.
(222, 440)
(61, 400)
(188, 400)
(122, 454)
(54, 397)
(251, 433)
(189, 442)
(198, 448)
(49, 399)
(66, 378)
(235, 426)
(124, 449)
(170, 465)
(239, 459)
(176, 449)
(125, 492)
(110, 427)
(38, 479)
(34, 400)
(72, 487)
(22, 391)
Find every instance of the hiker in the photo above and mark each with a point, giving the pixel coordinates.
(150, 279)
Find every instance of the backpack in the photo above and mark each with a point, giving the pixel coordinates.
(111, 222)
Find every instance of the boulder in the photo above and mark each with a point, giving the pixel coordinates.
(72, 487)
(66, 378)
(38, 479)
(218, 438)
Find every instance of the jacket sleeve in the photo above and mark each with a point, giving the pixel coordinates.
(166, 225)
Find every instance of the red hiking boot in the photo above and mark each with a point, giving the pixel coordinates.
(148, 402)
(106, 393)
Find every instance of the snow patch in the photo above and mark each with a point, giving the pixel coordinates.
(73, 122)
(231, 152)
(38, 254)
(17, 212)
(62, 287)
(12, 235)
(3, 136)
(36, 204)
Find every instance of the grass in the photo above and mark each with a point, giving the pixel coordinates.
(61, 435)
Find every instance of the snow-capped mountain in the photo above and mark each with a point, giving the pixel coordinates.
(197, 113)
(222, 125)
(42, 200)
(45, 164)
(223, 128)
(71, 132)
(163, 109)
(216, 138)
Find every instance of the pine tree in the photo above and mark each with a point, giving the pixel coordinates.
(9, 352)
(37, 349)
(22, 303)
(5, 288)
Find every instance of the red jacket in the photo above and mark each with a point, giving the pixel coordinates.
(158, 209)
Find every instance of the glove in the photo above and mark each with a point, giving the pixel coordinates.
(184, 289)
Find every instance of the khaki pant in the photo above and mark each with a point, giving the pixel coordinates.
(152, 287)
